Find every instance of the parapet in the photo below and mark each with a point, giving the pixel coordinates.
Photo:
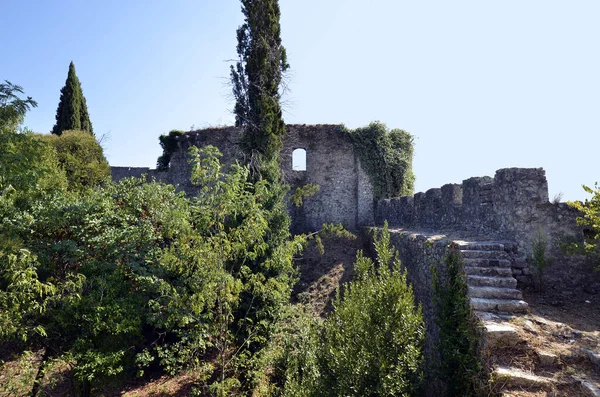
(512, 204)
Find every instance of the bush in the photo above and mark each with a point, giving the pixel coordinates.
(81, 157)
(462, 368)
(539, 259)
(372, 343)
(168, 143)
(590, 220)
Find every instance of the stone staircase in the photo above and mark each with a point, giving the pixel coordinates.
(492, 287)
(499, 305)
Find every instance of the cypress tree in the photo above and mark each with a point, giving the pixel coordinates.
(256, 79)
(72, 113)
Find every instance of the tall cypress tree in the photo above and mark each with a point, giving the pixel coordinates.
(256, 79)
(72, 113)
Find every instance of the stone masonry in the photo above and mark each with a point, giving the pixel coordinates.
(512, 205)
(345, 191)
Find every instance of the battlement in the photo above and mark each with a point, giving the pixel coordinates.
(511, 205)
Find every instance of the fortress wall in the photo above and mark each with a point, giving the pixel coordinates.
(330, 163)
(345, 195)
(118, 173)
(511, 205)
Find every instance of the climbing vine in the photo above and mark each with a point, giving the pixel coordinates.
(386, 156)
(168, 142)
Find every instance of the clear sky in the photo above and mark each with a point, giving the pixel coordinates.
(481, 85)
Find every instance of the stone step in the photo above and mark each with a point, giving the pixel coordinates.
(488, 271)
(589, 388)
(499, 305)
(480, 245)
(490, 281)
(487, 262)
(495, 293)
(514, 377)
(483, 254)
(500, 335)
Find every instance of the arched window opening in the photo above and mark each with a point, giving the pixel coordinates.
(299, 160)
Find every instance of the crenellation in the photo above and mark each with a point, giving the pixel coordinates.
(511, 205)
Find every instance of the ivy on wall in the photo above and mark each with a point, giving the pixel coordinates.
(168, 142)
(386, 155)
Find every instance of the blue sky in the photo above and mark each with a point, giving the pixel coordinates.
(482, 85)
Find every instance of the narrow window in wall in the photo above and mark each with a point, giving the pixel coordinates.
(299, 160)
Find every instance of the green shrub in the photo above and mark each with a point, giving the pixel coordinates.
(539, 258)
(461, 368)
(81, 157)
(372, 343)
(590, 220)
(169, 145)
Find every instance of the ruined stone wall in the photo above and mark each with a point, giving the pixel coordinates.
(345, 195)
(118, 173)
(512, 205)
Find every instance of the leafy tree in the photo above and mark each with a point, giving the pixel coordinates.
(374, 338)
(133, 274)
(81, 157)
(256, 79)
(72, 112)
(13, 108)
(590, 220)
(28, 168)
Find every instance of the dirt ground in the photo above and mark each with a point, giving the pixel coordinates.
(571, 294)
(322, 274)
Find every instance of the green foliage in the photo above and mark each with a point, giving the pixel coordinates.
(590, 220)
(387, 158)
(303, 192)
(539, 258)
(72, 112)
(24, 297)
(330, 230)
(374, 338)
(256, 79)
(372, 343)
(169, 145)
(81, 157)
(132, 275)
(296, 355)
(28, 168)
(13, 108)
(462, 367)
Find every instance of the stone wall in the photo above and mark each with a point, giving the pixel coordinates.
(345, 195)
(512, 205)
